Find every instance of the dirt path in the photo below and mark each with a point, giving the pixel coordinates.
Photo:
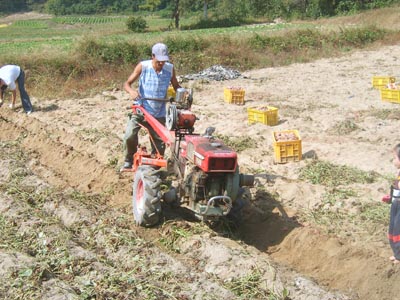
(76, 143)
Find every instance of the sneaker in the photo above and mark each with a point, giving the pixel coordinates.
(11, 105)
(28, 112)
(127, 166)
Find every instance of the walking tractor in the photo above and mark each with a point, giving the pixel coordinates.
(204, 170)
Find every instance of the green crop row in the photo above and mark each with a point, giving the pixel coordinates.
(31, 23)
(71, 20)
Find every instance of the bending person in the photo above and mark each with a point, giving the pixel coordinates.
(9, 75)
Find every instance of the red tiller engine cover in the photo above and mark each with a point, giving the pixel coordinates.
(186, 119)
(209, 154)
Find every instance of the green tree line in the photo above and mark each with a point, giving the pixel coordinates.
(237, 9)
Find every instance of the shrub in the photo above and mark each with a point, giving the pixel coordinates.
(136, 24)
(218, 23)
(117, 52)
(360, 36)
(186, 44)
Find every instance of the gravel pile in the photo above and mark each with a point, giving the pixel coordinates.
(216, 72)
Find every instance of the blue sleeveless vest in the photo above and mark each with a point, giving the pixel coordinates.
(153, 85)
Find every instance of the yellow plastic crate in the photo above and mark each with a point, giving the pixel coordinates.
(234, 95)
(287, 146)
(268, 116)
(390, 95)
(171, 92)
(379, 82)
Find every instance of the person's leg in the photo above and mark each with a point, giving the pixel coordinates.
(396, 232)
(1, 97)
(158, 142)
(131, 139)
(25, 100)
(13, 100)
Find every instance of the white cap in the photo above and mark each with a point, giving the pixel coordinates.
(160, 51)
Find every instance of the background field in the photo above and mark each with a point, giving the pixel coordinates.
(71, 50)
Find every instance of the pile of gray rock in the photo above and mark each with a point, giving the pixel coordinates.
(216, 72)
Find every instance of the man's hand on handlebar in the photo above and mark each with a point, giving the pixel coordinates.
(135, 96)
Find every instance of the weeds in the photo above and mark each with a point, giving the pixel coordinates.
(113, 162)
(295, 111)
(371, 219)
(252, 286)
(375, 213)
(238, 143)
(328, 174)
(173, 234)
(336, 194)
(366, 217)
(92, 134)
(345, 127)
(384, 114)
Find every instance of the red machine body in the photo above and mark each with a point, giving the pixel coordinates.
(206, 170)
(209, 154)
(186, 119)
(142, 157)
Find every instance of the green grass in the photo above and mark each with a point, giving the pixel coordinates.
(62, 46)
(34, 35)
(170, 237)
(251, 286)
(239, 144)
(336, 194)
(331, 175)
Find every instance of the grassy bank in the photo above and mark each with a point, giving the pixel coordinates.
(80, 57)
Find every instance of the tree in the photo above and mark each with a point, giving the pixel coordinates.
(233, 9)
(205, 10)
(59, 7)
(35, 4)
(150, 5)
(175, 14)
(7, 6)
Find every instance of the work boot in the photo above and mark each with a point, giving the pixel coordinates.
(127, 166)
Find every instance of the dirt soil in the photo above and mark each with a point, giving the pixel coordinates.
(76, 144)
